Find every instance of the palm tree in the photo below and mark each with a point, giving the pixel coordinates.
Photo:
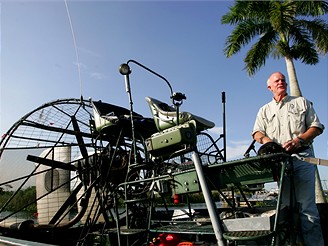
(284, 29)
(289, 29)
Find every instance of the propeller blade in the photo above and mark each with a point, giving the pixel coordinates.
(51, 163)
(79, 138)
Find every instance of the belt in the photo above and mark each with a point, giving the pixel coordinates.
(301, 149)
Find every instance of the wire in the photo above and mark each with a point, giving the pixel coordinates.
(75, 46)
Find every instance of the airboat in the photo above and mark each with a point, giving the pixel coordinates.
(101, 174)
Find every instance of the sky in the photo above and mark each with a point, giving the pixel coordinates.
(42, 60)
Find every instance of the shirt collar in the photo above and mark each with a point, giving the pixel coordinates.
(282, 101)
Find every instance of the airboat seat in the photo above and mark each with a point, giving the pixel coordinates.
(109, 118)
(165, 116)
(107, 114)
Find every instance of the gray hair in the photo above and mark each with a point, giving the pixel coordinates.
(268, 81)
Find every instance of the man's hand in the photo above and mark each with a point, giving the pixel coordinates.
(292, 145)
(261, 138)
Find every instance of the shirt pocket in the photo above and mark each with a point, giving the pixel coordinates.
(271, 125)
(296, 120)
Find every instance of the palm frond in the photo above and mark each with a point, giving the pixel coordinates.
(242, 35)
(318, 29)
(311, 8)
(306, 53)
(281, 28)
(259, 52)
(244, 10)
(282, 15)
(283, 49)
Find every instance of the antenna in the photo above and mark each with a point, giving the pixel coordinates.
(75, 47)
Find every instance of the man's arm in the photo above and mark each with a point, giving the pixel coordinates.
(310, 134)
(307, 138)
(261, 138)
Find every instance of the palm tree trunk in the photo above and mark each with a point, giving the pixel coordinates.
(319, 193)
(296, 91)
(293, 82)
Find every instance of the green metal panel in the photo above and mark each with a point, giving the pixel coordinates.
(253, 170)
(173, 139)
(186, 183)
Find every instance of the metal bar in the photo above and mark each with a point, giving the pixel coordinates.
(18, 242)
(281, 182)
(315, 161)
(224, 128)
(208, 200)
(51, 163)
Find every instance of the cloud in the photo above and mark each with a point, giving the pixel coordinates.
(236, 152)
(97, 76)
(90, 52)
(237, 149)
(82, 65)
(93, 75)
(216, 131)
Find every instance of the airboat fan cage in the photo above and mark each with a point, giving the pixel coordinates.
(50, 124)
(56, 131)
(56, 152)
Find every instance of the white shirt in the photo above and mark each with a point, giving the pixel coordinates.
(285, 120)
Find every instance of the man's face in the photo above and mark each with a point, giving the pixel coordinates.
(277, 84)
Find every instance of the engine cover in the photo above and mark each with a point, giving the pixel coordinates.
(177, 138)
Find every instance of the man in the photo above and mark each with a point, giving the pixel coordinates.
(293, 123)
